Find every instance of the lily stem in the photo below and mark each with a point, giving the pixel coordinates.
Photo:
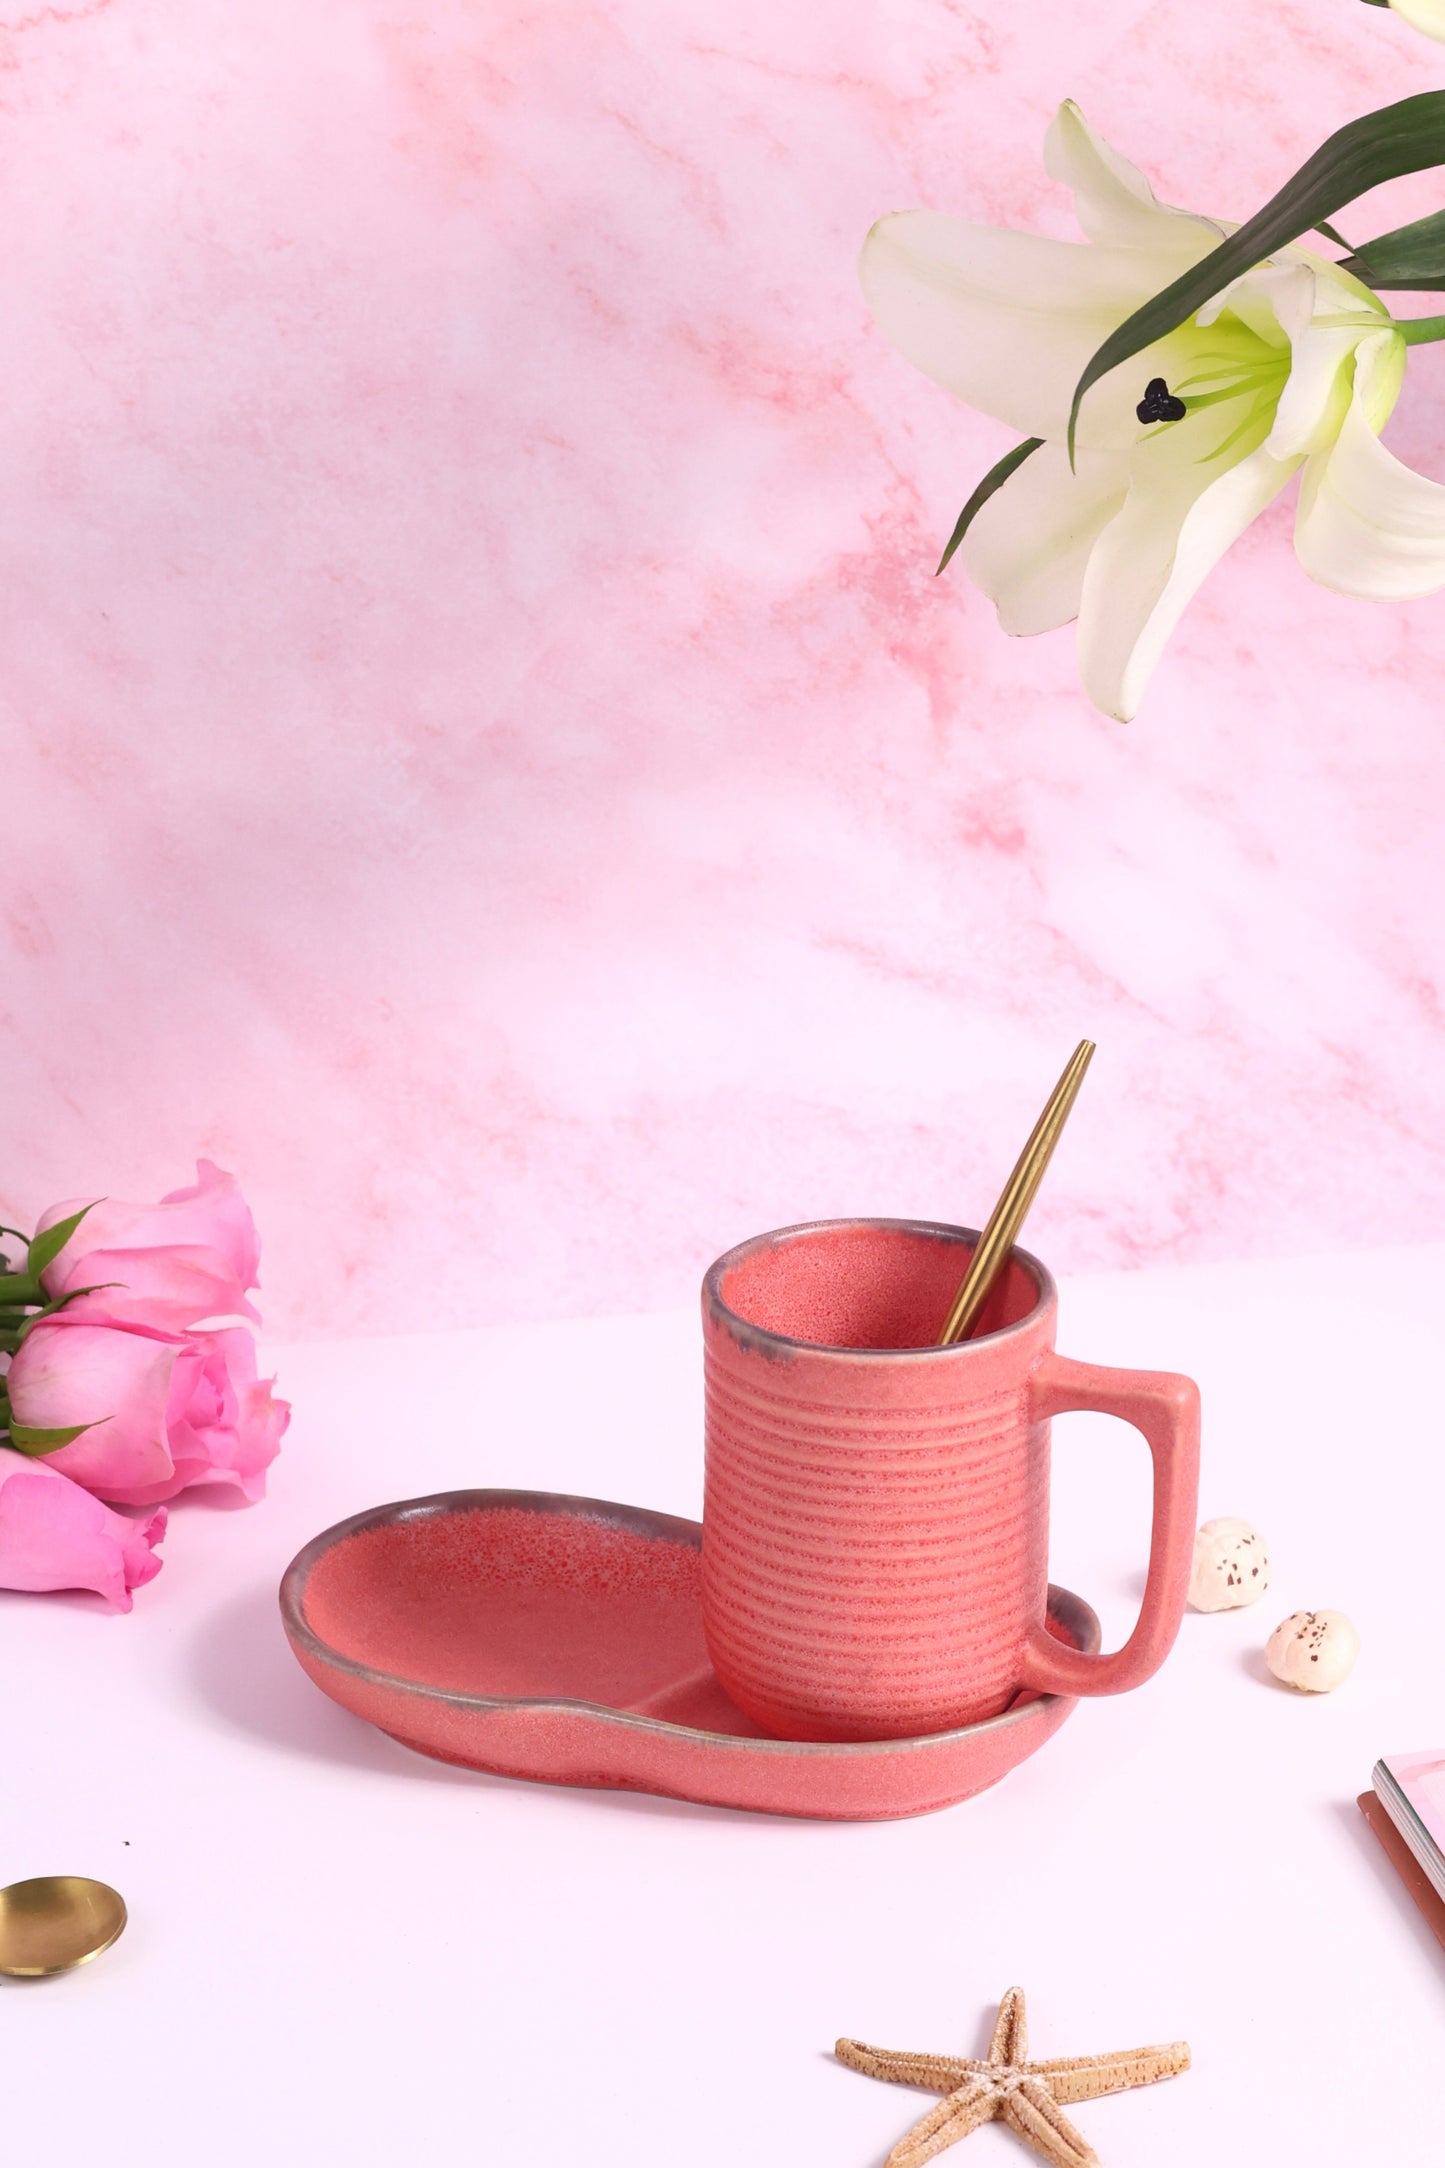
(1420, 330)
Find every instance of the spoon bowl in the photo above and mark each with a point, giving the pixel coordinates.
(56, 1921)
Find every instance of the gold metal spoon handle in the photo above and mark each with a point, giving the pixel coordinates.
(1010, 1212)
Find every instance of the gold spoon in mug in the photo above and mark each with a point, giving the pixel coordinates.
(56, 1921)
(1010, 1212)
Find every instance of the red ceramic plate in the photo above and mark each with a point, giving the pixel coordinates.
(560, 1640)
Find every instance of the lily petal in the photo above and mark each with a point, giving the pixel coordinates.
(1367, 524)
(1317, 394)
(1113, 202)
(1006, 321)
(1149, 561)
(1028, 547)
(1320, 315)
(1262, 297)
(1426, 15)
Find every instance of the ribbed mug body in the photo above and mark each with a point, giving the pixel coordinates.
(875, 1525)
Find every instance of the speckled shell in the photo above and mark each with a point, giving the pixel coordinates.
(1231, 1566)
(1313, 1650)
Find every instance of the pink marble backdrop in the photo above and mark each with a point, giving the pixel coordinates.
(484, 755)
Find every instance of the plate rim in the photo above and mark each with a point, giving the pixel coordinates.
(657, 1526)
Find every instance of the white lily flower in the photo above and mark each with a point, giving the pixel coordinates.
(1426, 15)
(1296, 365)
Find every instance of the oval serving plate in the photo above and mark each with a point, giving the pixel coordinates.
(560, 1640)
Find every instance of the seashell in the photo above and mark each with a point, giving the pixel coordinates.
(1313, 1650)
(1231, 1566)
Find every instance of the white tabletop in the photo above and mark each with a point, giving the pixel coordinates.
(340, 1952)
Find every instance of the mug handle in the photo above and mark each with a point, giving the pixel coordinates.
(1165, 1408)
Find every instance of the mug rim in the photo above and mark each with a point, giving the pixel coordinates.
(744, 1330)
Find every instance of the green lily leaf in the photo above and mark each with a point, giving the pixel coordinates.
(1401, 138)
(47, 1247)
(37, 1443)
(992, 481)
(1409, 258)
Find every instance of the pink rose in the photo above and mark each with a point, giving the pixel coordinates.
(167, 1411)
(53, 1534)
(159, 1266)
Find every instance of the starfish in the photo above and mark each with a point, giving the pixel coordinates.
(1027, 2095)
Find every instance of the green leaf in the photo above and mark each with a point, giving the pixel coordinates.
(50, 1308)
(37, 1443)
(1408, 258)
(1332, 233)
(1400, 138)
(19, 1287)
(991, 483)
(47, 1247)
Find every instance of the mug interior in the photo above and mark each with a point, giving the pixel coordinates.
(865, 1284)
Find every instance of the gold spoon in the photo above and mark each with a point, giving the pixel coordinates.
(1010, 1212)
(56, 1921)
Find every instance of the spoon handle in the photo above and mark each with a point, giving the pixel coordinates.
(1010, 1212)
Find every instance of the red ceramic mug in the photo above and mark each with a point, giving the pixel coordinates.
(876, 1518)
